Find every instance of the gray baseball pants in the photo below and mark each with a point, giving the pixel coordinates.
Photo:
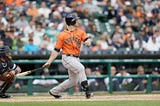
(76, 72)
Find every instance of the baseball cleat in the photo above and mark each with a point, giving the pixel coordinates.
(4, 95)
(55, 96)
(88, 95)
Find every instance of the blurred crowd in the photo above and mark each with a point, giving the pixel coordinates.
(33, 25)
(121, 80)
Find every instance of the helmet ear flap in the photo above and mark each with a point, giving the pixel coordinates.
(2, 58)
(71, 23)
(5, 52)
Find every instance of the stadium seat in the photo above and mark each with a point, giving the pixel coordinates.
(85, 22)
(97, 23)
(109, 28)
(121, 51)
(100, 17)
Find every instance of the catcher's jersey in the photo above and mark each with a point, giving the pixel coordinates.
(7, 66)
(70, 41)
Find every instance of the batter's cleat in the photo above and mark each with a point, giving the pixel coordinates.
(55, 96)
(4, 95)
(88, 95)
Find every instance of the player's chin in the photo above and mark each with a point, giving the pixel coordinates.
(77, 24)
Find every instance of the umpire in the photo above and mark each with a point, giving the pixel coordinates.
(8, 70)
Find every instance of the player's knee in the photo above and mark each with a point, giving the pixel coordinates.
(74, 81)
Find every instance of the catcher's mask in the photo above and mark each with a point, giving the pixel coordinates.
(5, 53)
(71, 19)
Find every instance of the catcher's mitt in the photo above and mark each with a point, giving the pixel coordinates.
(7, 76)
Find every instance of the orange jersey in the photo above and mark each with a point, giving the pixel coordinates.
(70, 42)
(17, 2)
(9, 2)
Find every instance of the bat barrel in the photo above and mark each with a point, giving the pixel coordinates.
(27, 72)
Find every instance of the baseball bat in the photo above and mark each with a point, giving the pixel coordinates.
(28, 72)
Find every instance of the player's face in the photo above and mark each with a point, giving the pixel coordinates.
(77, 23)
(9, 55)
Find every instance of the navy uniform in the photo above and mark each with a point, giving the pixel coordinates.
(6, 66)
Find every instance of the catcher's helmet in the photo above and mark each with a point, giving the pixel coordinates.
(3, 52)
(71, 19)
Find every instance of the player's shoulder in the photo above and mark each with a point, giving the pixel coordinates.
(80, 31)
(61, 34)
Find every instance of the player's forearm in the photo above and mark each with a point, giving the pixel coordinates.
(18, 69)
(52, 57)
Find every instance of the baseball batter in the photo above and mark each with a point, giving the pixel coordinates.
(70, 41)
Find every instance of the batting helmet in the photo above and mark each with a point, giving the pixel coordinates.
(3, 51)
(71, 19)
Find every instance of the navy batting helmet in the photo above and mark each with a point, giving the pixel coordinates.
(71, 19)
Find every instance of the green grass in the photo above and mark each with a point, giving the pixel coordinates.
(84, 103)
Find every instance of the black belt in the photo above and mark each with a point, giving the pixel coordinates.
(72, 55)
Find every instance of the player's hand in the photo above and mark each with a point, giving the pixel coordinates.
(46, 65)
(88, 42)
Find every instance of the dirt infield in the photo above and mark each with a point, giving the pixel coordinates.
(82, 98)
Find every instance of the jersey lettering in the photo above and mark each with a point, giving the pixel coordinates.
(70, 42)
(73, 39)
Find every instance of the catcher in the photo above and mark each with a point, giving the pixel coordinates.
(8, 70)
